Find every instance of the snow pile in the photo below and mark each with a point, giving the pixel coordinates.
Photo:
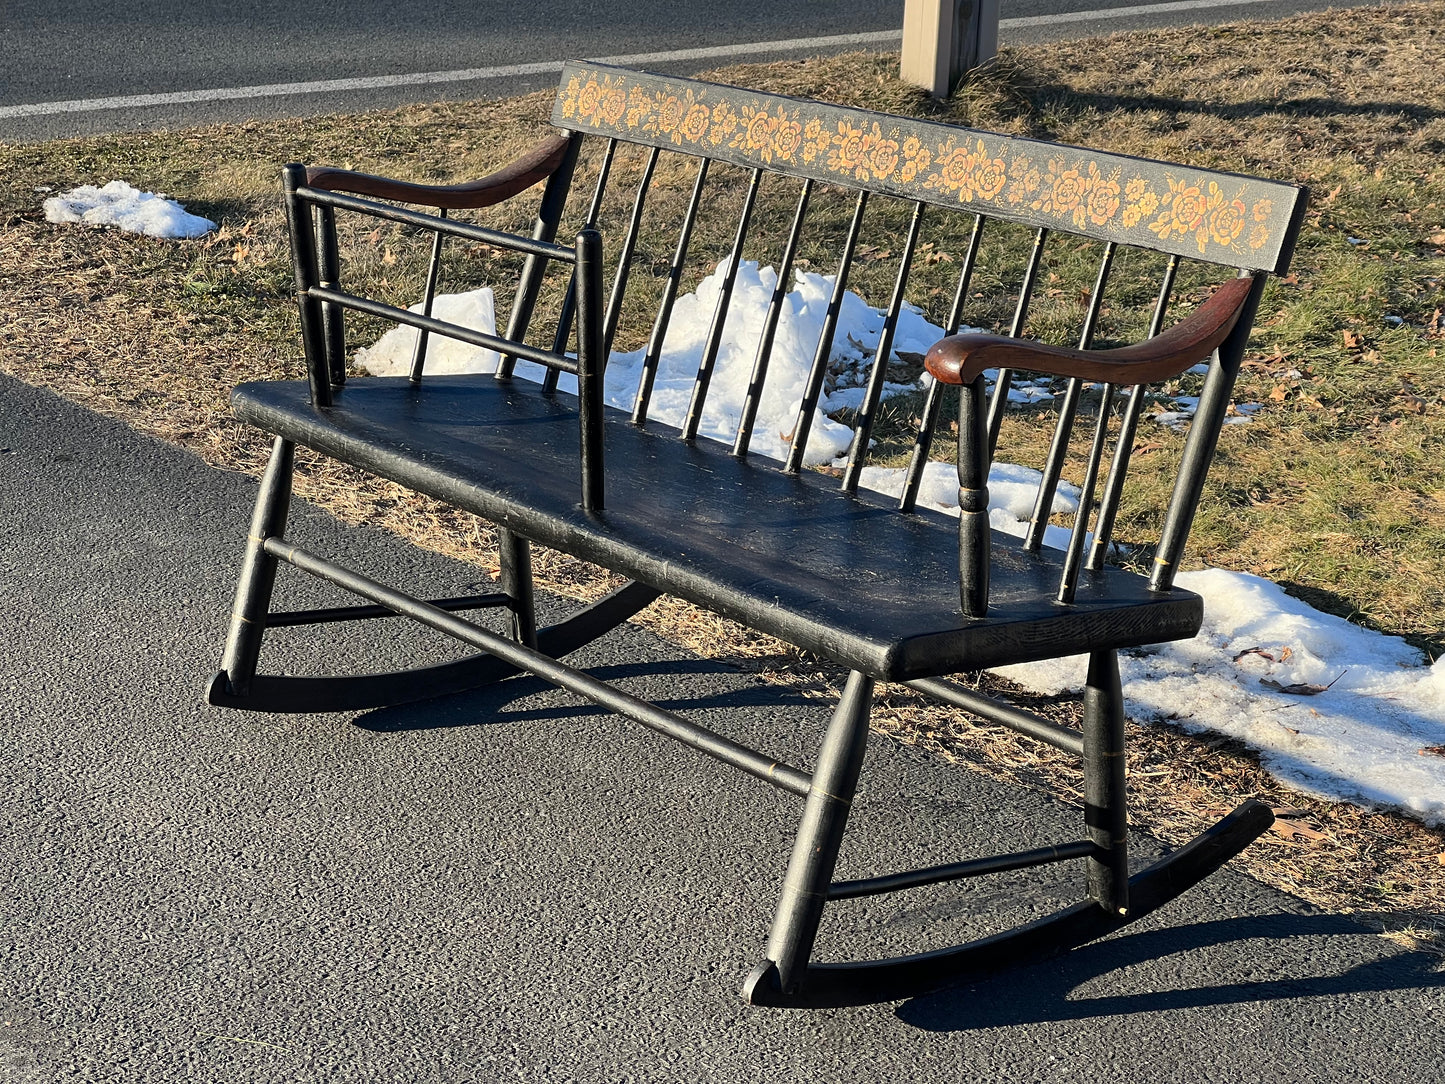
(120, 205)
(1185, 406)
(1334, 709)
(799, 328)
(1011, 493)
(391, 355)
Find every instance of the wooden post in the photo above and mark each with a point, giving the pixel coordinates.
(944, 39)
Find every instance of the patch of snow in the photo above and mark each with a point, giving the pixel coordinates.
(391, 355)
(1363, 739)
(118, 204)
(794, 343)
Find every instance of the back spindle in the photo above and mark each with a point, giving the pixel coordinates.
(720, 314)
(569, 302)
(1063, 430)
(624, 257)
(549, 215)
(1128, 426)
(753, 396)
(819, 369)
(1021, 313)
(1073, 558)
(928, 423)
(418, 357)
(669, 296)
(867, 414)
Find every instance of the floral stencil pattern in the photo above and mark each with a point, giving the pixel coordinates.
(977, 170)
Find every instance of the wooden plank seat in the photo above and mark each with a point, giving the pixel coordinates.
(739, 536)
(885, 589)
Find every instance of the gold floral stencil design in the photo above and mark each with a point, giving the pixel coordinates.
(977, 170)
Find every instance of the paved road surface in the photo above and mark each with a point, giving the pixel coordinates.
(508, 886)
(106, 55)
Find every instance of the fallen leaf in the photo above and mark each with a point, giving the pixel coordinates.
(1302, 688)
(1299, 689)
(1261, 652)
(1278, 393)
(1433, 751)
(1351, 340)
(1290, 824)
(1145, 449)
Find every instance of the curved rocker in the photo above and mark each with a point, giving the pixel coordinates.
(360, 692)
(866, 982)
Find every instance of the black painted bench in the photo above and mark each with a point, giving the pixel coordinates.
(887, 590)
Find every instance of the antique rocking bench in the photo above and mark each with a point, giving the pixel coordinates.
(884, 588)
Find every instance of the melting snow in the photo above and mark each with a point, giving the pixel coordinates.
(120, 205)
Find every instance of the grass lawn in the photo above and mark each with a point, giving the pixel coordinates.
(1336, 489)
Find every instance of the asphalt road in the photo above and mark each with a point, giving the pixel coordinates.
(234, 57)
(510, 885)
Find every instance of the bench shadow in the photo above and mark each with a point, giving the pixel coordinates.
(1042, 992)
(490, 705)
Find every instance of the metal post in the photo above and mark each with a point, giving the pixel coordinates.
(945, 39)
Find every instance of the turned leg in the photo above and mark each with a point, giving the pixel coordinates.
(258, 571)
(515, 554)
(820, 834)
(1105, 803)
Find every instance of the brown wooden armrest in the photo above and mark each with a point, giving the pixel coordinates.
(959, 359)
(536, 165)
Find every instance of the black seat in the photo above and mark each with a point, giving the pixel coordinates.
(738, 536)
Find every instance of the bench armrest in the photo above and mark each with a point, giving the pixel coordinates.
(536, 165)
(958, 359)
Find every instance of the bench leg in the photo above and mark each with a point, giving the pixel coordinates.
(820, 834)
(1105, 801)
(515, 555)
(258, 571)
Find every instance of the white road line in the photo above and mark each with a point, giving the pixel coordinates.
(1121, 13)
(467, 75)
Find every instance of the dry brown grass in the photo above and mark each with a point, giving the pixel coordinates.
(156, 334)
